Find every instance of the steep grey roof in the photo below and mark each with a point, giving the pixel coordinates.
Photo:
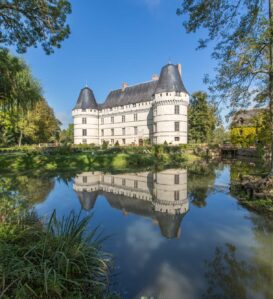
(170, 80)
(86, 99)
(87, 199)
(169, 224)
(246, 117)
(130, 95)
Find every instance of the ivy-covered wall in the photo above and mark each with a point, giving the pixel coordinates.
(244, 136)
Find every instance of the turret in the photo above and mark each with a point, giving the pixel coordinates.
(86, 118)
(170, 107)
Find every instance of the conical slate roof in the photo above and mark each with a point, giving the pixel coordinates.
(170, 80)
(86, 99)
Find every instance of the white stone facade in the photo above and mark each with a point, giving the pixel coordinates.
(157, 114)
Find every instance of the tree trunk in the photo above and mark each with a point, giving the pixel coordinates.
(20, 138)
(270, 85)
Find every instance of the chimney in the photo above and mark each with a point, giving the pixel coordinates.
(124, 86)
(179, 69)
(155, 77)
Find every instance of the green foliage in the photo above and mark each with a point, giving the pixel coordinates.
(202, 119)
(24, 115)
(27, 23)
(75, 158)
(105, 144)
(67, 135)
(59, 261)
(243, 136)
(243, 35)
(221, 136)
(40, 124)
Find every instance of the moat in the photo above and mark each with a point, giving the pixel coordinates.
(176, 233)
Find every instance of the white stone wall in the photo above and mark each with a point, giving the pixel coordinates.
(165, 117)
(155, 120)
(91, 126)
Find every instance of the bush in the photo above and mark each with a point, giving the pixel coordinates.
(58, 261)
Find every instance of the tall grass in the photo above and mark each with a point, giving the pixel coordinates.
(61, 260)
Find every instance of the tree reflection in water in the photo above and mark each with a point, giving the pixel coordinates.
(229, 276)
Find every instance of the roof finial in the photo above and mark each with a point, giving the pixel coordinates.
(86, 83)
(170, 62)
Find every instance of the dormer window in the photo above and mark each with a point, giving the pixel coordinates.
(134, 105)
(167, 93)
(83, 110)
(161, 94)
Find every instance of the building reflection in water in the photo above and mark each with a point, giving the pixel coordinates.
(160, 196)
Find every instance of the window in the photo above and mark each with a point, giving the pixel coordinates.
(84, 141)
(123, 118)
(102, 132)
(176, 195)
(176, 179)
(135, 129)
(112, 141)
(167, 94)
(123, 141)
(123, 182)
(161, 94)
(112, 132)
(135, 117)
(135, 184)
(134, 105)
(176, 109)
(123, 131)
(102, 121)
(112, 119)
(83, 110)
(176, 138)
(155, 127)
(84, 121)
(176, 126)
(84, 132)
(84, 179)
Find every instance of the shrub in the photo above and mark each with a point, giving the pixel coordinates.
(59, 261)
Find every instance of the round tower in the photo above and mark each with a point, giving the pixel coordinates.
(170, 191)
(86, 118)
(170, 107)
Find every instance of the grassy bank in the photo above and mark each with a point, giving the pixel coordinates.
(49, 259)
(69, 159)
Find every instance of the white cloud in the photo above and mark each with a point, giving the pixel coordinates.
(143, 239)
(152, 3)
(169, 283)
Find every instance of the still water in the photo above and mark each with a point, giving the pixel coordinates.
(177, 233)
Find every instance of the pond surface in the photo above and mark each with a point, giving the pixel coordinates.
(177, 233)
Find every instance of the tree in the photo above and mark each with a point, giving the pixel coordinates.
(27, 23)
(243, 31)
(19, 91)
(40, 124)
(67, 135)
(202, 118)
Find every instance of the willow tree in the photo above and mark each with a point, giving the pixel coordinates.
(242, 31)
(27, 23)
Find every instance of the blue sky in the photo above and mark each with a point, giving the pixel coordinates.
(113, 42)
